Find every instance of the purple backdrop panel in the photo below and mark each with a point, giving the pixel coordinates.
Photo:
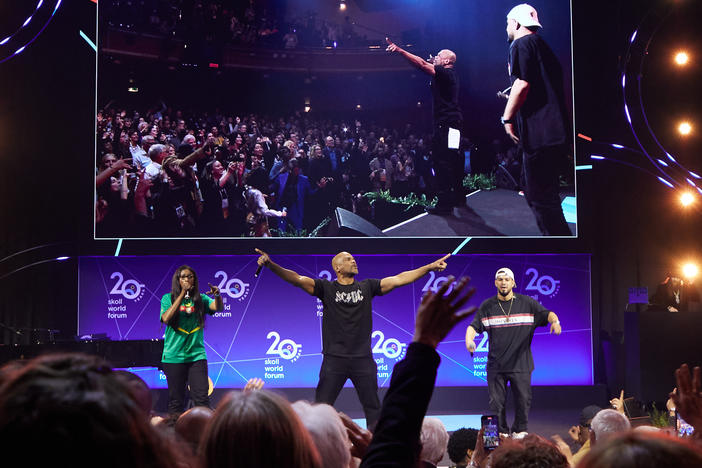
(272, 330)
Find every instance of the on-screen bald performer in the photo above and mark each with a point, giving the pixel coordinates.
(447, 161)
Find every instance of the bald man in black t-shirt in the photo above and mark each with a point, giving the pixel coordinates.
(448, 163)
(347, 325)
(510, 320)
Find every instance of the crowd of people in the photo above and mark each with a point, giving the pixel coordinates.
(170, 173)
(233, 23)
(84, 412)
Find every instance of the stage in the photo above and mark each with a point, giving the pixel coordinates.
(498, 212)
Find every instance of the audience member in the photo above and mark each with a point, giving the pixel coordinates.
(192, 424)
(328, 433)
(333, 157)
(257, 429)
(461, 444)
(434, 440)
(72, 410)
(636, 449)
(580, 434)
(607, 423)
(528, 452)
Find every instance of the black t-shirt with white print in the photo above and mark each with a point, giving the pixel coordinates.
(348, 322)
(510, 338)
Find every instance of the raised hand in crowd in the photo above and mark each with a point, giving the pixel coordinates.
(688, 397)
(574, 433)
(563, 448)
(439, 312)
(360, 438)
(618, 403)
(141, 193)
(253, 385)
(105, 175)
(480, 455)
(101, 209)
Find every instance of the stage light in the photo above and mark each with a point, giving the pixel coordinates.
(682, 58)
(308, 108)
(60, 259)
(666, 182)
(342, 5)
(690, 271)
(358, 107)
(685, 128)
(687, 199)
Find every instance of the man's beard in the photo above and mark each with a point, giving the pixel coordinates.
(504, 294)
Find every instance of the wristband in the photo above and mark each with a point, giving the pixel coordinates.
(505, 121)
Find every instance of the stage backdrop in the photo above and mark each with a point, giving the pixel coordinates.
(272, 330)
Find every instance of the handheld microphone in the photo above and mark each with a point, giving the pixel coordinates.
(187, 294)
(504, 94)
(258, 271)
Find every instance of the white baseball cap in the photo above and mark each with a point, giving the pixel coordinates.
(504, 272)
(525, 15)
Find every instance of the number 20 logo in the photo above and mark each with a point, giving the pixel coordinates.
(390, 348)
(545, 284)
(130, 289)
(287, 349)
(234, 288)
(434, 283)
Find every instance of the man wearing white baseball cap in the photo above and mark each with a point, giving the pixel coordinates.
(535, 118)
(510, 320)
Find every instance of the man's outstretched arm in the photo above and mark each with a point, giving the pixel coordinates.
(415, 60)
(303, 282)
(406, 277)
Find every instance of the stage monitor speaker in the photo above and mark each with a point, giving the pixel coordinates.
(503, 179)
(347, 224)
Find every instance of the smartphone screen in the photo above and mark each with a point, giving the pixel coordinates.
(491, 434)
(683, 428)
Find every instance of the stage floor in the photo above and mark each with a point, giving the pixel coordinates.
(496, 212)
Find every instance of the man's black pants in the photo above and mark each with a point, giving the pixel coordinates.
(448, 169)
(178, 375)
(520, 383)
(540, 171)
(363, 374)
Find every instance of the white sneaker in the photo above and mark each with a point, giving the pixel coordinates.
(504, 435)
(519, 435)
